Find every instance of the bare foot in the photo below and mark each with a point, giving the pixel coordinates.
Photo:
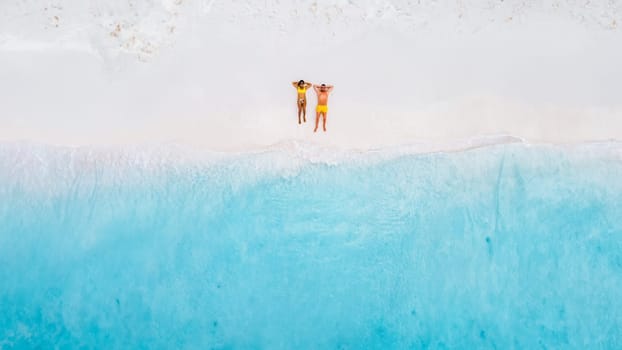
(315, 130)
(324, 129)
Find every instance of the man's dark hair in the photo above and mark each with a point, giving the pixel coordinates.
(323, 85)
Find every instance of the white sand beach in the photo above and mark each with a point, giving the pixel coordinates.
(216, 75)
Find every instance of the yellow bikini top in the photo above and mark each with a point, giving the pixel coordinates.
(302, 90)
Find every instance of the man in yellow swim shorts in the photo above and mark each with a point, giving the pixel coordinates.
(322, 92)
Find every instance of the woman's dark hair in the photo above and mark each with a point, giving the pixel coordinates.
(300, 82)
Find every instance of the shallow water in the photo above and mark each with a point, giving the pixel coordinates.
(509, 246)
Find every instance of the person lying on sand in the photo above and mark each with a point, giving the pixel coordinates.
(322, 92)
(302, 87)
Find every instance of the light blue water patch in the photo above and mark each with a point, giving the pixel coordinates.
(510, 246)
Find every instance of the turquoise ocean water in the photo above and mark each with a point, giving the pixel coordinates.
(501, 247)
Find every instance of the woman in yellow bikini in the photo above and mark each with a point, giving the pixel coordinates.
(302, 87)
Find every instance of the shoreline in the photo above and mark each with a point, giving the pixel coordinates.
(297, 146)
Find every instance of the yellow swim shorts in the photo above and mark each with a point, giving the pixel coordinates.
(322, 109)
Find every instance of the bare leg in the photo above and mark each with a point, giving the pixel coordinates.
(299, 111)
(324, 122)
(317, 120)
(304, 112)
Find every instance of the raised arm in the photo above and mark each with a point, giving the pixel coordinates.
(295, 84)
(316, 88)
(308, 85)
(330, 88)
